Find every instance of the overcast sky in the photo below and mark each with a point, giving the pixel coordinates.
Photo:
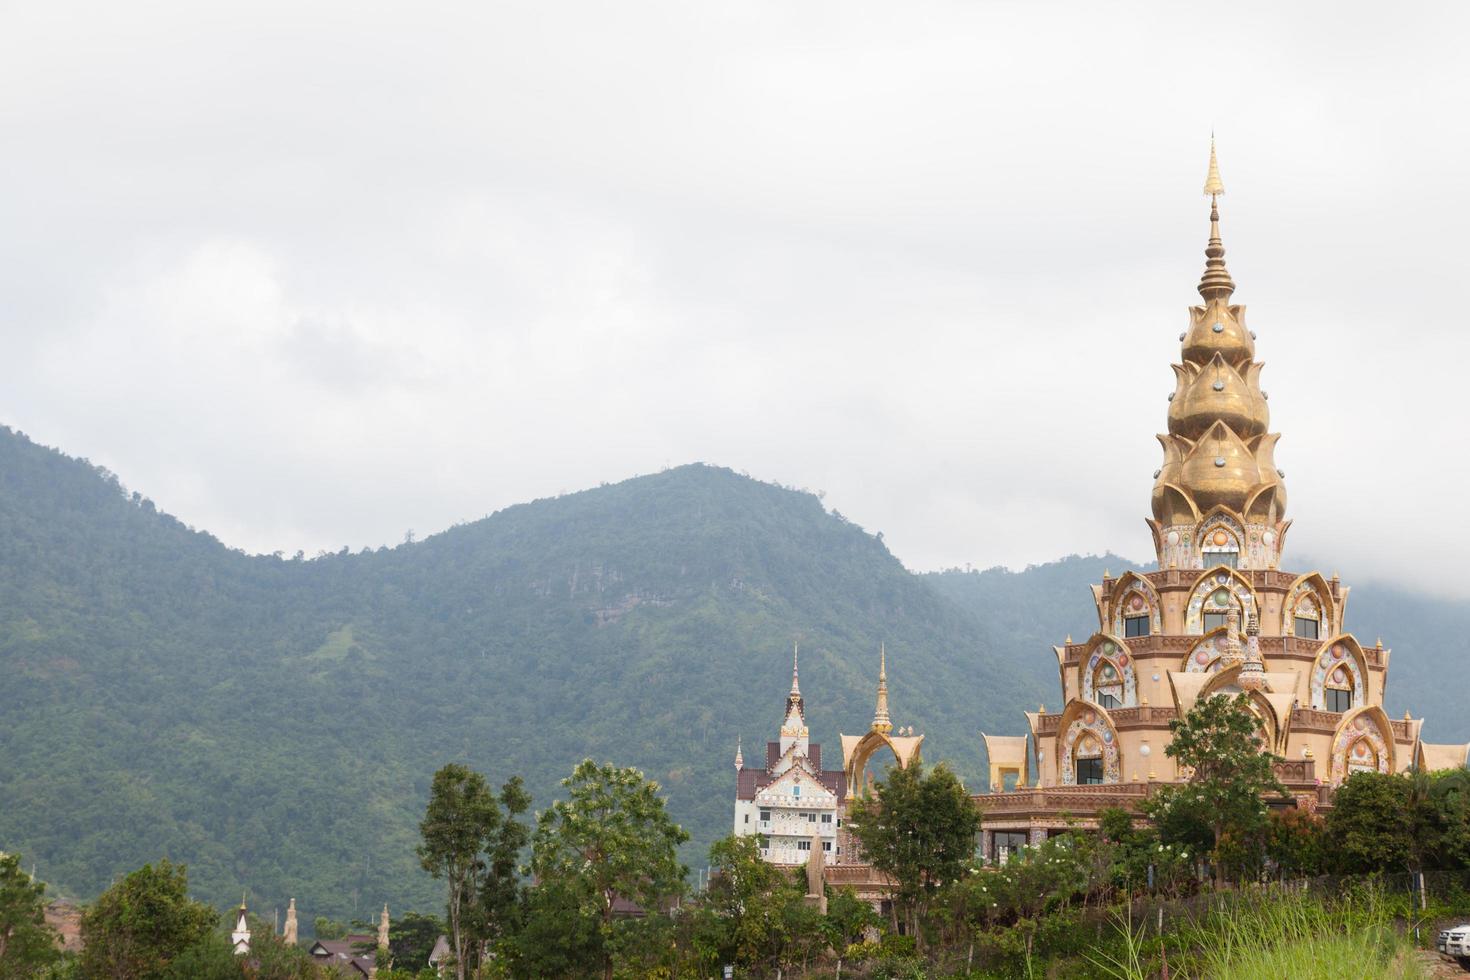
(313, 275)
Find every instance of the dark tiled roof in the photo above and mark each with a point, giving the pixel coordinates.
(750, 781)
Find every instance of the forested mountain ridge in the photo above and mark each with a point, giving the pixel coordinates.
(274, 723)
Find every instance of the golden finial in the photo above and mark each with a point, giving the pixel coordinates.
(1216, 282)
(1069, 638)
(739, 755)
(795, 650)
(1214, 186)
(881, 722)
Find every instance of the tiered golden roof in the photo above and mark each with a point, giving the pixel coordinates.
(1218, 452)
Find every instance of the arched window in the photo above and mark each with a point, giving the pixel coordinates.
(1338, 691)
(1107, 685)
(1216, 611)
(1307, 618)
(1362, 756)
(1088, 759)
(1220, 547)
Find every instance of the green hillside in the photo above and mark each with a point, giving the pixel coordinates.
(274, 723)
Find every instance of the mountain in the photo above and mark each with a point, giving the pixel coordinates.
(275, 723)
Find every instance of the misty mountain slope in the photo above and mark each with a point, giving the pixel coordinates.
(275, 723)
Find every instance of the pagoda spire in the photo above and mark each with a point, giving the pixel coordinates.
(1216, 283)
(739, 755)
(881, 722)
(795, 703)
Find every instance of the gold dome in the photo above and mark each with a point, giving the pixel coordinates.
(1218, 329)
(1217, 392)
(1220, 469)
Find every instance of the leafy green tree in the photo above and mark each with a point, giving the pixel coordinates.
(848, 920)
(613, 835)
(1230, 773)
(920, 829)
(1450, 795)
(562, 935)
(27, 943)
(411, 937)
(1297, 841)
(1380, 822)
(471, 840)
(137, 927)
(328, 929)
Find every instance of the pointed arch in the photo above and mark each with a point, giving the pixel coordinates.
(1208, 587)
(858, 751)
(1340, 664)
(1219, 538)
(1135, 596)
(1086, 728)
(1204, 656)
(1363, 741)
(1106, 669)
(1309, 598)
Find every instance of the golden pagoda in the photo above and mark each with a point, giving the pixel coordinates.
(1218, 616)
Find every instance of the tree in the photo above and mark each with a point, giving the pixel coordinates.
(411, 937)
(562, 936)
(614, 836)
(324, 928)
(142, 923)
(1379, 822)
(1230, 773)
(27, 943)
(469, 842)
(921, 830)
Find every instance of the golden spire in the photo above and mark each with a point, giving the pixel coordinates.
(1216, 282)
(1218, 450)
(739, 755)
(881, 723)
(794, 701)
(1214, 186)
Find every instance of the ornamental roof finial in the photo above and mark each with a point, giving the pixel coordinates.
(739, 755)
(795, 687)
(881, 722)
(1216, 282)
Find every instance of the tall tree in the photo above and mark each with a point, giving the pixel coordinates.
(1231, 773)
(614, 835)
(920, 829)
(139, 925)
(27, 943)
(471, 840)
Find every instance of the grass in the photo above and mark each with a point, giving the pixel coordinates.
(1270, 935)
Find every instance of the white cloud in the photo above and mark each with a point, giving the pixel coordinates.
(313, 275)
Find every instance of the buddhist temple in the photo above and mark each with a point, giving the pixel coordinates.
(1221, 614)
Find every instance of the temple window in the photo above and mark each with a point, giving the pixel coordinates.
(826, 818)
(1089, 772)
(1307, 629)
(1008, 842)
(826, 845)
(1135, 625)
(803, 845)
(765, 816)
(1339, 700)
(1107, 683)
(1213, 621)
(1221, 548)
